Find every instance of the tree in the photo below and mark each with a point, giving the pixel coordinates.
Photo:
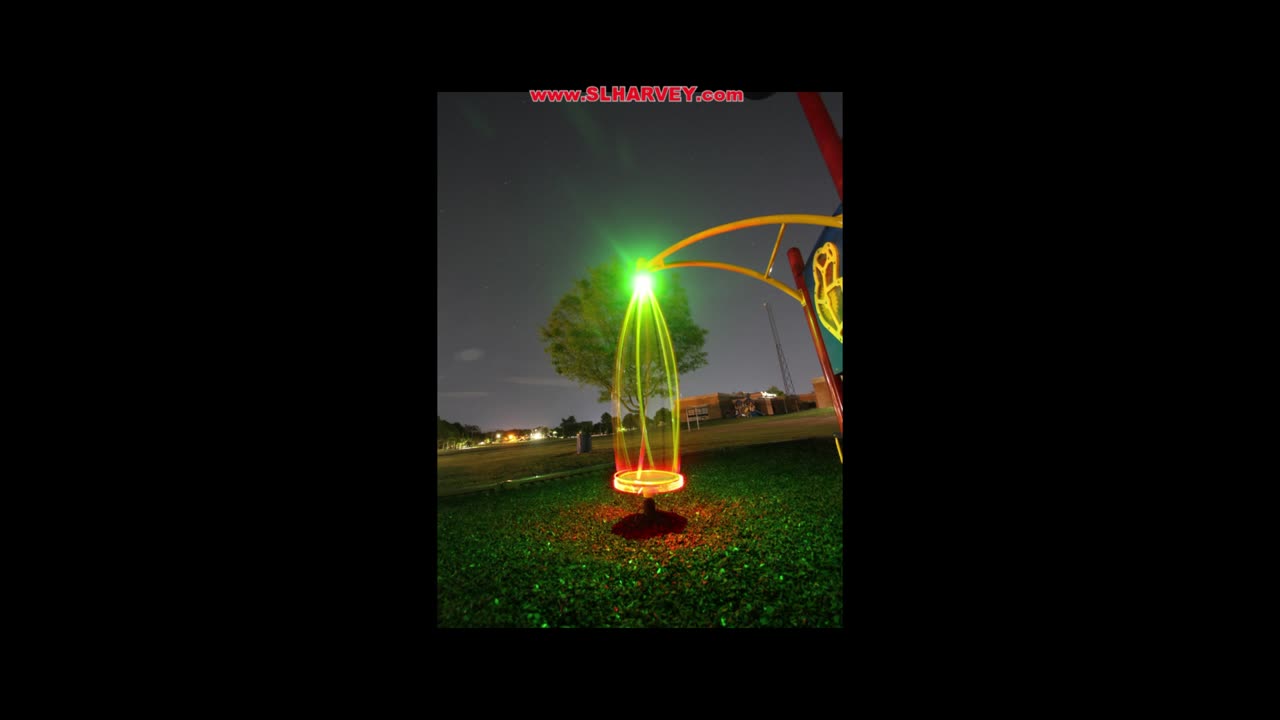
(568, 426)
(473, 432)
(774, 390)
(581, 336)
(663, 416)
(607, 421)
(452, 434)
(444, 433)
(631, 421)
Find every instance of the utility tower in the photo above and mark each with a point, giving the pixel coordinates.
(787, 386)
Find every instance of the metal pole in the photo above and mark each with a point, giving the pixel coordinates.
(788, 387)
(829, 141)
(835, 387)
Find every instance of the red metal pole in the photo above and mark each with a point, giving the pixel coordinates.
(829, 141)
(833, 383)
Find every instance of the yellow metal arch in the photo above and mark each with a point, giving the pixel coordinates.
(659, 262)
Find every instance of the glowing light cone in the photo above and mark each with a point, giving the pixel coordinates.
(646, 396)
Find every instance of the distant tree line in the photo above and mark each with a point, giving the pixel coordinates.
(571, 426)
(450, 435)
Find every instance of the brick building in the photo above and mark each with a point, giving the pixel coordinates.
(715, 406)
(712, 406)
(822, 393)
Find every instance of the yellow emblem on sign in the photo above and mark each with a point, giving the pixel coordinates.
(828, 290)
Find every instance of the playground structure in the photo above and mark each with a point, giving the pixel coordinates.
(647, 463)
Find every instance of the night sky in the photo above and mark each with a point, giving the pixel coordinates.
(530, 195)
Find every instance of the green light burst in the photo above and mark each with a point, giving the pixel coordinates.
(645, 367)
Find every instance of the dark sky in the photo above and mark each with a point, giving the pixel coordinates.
(530, 195)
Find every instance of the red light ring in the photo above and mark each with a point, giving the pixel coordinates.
(654, 481)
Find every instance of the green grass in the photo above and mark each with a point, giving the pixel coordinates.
(762, 548)
(464, 470)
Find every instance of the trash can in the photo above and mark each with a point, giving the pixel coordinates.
(584, 443)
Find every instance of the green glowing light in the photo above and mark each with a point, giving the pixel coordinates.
(645, 370)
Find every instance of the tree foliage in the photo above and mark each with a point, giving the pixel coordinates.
(581, 336)
(568, 426)
(452, 434)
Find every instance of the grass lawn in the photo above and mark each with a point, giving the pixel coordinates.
(463, 470)
(762, 547)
